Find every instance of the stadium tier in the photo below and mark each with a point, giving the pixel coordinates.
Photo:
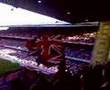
(78, 46)
(55, 53)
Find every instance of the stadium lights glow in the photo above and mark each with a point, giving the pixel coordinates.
(10, 16)
(39, 1)
(4, 28)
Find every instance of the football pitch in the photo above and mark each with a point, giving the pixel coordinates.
(7, 66)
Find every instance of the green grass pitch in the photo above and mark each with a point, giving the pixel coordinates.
(6, 66)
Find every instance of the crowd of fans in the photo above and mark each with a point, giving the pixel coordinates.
(75, 66)
(72, 65)
(80, 37)
(76, 75)
(79, 52)
(76, 52)
(18, 34)
(12, 42)
(83, 37)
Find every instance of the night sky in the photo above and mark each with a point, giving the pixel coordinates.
(68, 10)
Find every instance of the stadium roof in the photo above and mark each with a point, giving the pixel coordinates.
(73, 11)
(12, 16)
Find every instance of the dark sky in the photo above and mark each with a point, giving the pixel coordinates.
(68, 10)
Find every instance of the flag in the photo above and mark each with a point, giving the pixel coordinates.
(51, 48)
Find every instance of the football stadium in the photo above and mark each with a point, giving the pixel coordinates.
(40, 52)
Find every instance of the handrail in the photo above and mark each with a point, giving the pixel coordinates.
(78, 59)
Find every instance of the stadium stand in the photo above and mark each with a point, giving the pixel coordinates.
(78, 52)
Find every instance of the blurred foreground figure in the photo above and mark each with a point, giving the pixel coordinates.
(97, 77)
(101, 53)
